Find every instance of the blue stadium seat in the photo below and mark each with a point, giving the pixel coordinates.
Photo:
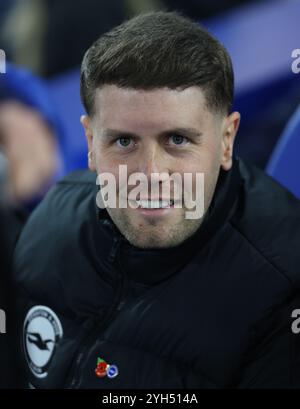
(284, 164)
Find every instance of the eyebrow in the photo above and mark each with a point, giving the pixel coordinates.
(189, 132)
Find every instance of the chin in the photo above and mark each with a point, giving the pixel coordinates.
(153, 241)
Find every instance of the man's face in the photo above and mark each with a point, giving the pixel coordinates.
(158, 131)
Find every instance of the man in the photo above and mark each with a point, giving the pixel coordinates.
(142, 296)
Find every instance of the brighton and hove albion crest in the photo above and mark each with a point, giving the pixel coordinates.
(42, 331)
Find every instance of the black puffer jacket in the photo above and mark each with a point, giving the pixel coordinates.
(217, 311)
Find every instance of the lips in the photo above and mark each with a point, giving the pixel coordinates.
(155, 204)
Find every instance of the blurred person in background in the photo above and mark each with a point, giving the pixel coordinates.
(29, 136)
(29, 164)
(29, 146)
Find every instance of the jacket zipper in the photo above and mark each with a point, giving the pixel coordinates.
(118, 304)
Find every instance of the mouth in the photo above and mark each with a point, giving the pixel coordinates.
(158, 208)
(155, 204)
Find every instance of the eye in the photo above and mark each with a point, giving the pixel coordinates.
(177, 139)
(124, 141)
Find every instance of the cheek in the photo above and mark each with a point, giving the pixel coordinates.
(206, 160)
(104, 163)
(203, 159)
(108, 160)
(111, 170)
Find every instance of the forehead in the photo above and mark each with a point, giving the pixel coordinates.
(162, 107)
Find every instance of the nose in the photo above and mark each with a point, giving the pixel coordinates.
(153, 163)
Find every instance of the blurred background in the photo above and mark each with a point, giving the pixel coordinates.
(41, 138)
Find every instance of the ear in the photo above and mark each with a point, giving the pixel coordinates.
(86, 123)
(229, 131)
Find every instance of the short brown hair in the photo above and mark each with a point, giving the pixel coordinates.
(159, 49)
